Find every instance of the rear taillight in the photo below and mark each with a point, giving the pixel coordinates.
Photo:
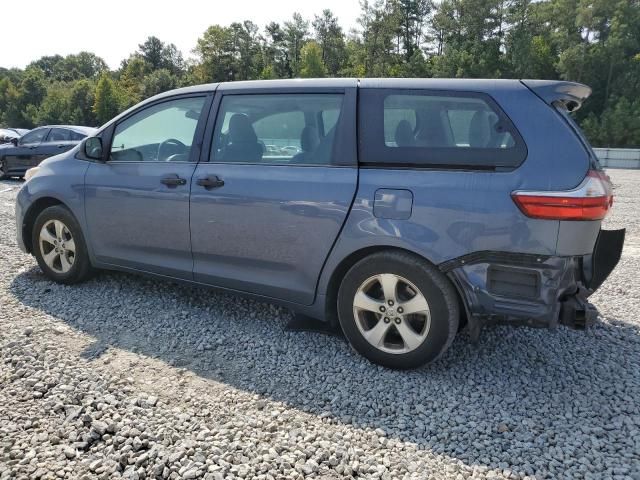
(591, 200)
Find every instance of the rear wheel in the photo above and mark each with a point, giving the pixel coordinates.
(398, 310)
(59, 246)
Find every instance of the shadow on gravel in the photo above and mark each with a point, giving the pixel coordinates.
(519, 397)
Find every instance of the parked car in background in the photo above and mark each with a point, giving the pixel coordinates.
(396, 209)
(8, 134)
(31, 148)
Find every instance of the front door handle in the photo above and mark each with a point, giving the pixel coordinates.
(173, 180)
(212, 181)
(61, 146)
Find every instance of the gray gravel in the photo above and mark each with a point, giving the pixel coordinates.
(126, 377)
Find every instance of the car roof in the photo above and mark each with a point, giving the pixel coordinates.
(417, 83)
(77, 128)
(452, 84)
(302, 83)
(19, 131)
(440, 83)
(262, 84)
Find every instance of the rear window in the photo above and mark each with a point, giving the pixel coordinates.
(593, 158)
(433, 128)
(76, 136)
(59, 135)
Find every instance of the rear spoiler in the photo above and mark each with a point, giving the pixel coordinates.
(569, 94)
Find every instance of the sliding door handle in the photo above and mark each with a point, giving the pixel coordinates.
(212, 181)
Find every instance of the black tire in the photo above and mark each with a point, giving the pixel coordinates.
(3, 175)
(438, 291)
(81, 267)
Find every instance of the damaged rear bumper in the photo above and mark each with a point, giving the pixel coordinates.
(533, 290)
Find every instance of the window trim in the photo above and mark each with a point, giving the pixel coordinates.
(373, 151)
(108, 133)
(344, 141)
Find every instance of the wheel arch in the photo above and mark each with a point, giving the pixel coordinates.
(335, 279)
(35, 209)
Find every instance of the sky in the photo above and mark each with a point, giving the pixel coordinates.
(112, 29)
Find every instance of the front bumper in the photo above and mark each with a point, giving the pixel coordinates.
(533, 290)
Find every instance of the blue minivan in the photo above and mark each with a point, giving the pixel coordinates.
(400, 210)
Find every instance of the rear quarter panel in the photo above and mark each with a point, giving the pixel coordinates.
(458, 212)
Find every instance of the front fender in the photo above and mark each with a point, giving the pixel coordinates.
(57, 181)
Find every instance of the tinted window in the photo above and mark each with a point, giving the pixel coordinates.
(276, 129)
(59, 135)
(34, 136)
(436, 128)
(76, 136)
(161, 133)
(595, 163)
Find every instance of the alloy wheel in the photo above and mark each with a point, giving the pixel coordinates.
(391, 313)
(57, 246)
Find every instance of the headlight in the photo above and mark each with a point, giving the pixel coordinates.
(30, 173)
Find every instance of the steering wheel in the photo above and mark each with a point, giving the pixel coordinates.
(173, 142)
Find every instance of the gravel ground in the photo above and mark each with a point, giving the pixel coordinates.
(129, 377)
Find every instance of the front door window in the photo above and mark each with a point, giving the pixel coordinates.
(34, 137)
(160, 133)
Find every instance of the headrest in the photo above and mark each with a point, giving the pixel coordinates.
(404, 134)
(241, 130)
(309, 138)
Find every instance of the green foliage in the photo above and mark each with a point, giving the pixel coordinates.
(331, 41)
(295, 34)
(107, 102)
(157, 82)
(596, 42)
(229, 53)
(311, 65)
(81, 100)
(54, 107)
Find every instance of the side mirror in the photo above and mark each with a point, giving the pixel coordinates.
(93, 148)
(14, 140)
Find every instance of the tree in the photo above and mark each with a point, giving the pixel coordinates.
(596, 42)
(471, 43)
(411, 16)
(311, 65)
(379, 27)
(295, 34)
(54, 108)
(152, 51)
(11, 111)
(331, 40)
(275, 52)
(216, 56)
(81, 102)
(157, 82)
(161, 56)
(33, 87)
(107, 103)
(246, 43)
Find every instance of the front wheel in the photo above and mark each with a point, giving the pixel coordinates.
(3, 170)
(398, 310)
(59, 246)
